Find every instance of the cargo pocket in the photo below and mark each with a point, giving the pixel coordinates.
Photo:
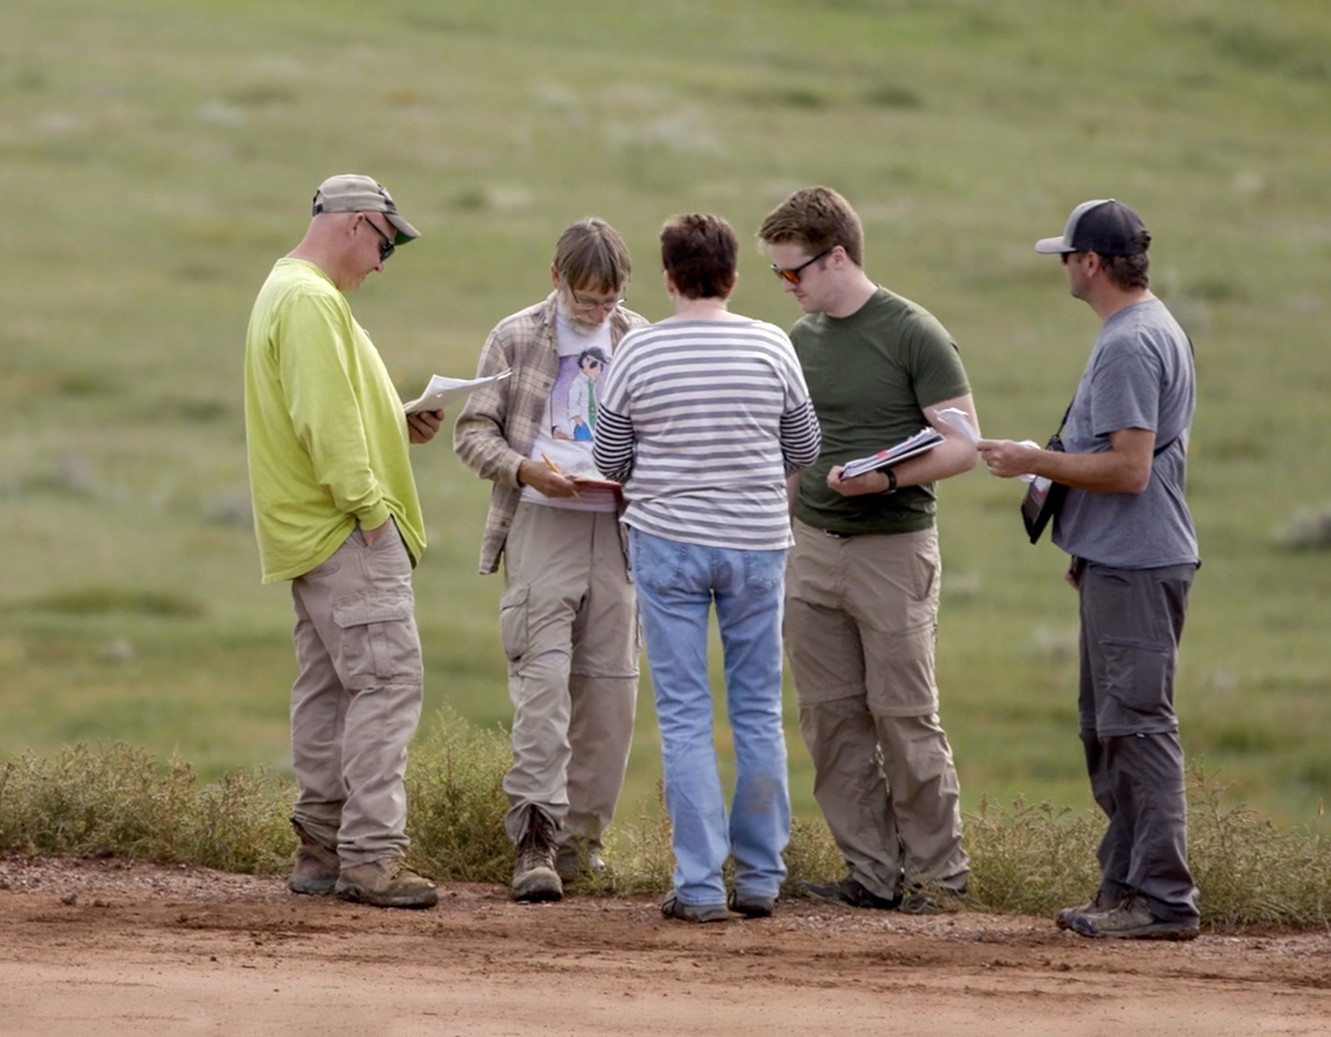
(1138, 688)
(513, 627)
(379, 642)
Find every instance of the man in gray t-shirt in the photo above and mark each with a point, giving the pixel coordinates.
(1134, 554)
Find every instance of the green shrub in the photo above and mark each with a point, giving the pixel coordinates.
(119, 801)
(1025, 858)
(639, 851)
(1031, 858)
(1035, 859)
(1251, 871)
(456, 802)
(811, 856)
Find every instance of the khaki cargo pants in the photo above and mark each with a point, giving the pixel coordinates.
(569, 624)
(860, 627)
(357, 700)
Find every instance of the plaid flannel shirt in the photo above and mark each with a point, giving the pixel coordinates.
(497, 427)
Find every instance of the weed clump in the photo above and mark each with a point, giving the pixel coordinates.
(456, 803)
(120, 801)
(1251, 871)
(1025, 858)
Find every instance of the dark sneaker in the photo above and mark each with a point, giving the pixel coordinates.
(1131, 920)
(317, 867)
(672, 907)
(578, 862)
(386, 883)
(1102, 901)
(534, 876)
(750, 905)
(850, 893)
(931, 900)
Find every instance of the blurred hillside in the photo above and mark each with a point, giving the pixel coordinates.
(155, 158)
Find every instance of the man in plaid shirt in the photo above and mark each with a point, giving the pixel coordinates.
(568, 617)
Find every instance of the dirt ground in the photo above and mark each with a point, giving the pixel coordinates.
(97, 947)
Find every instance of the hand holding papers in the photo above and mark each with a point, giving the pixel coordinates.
(926, 439)
(961, 421)
(442, 391)
(1031, 478)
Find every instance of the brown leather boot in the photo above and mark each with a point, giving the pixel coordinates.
(534, 876)
(316, 868)
(386, 883)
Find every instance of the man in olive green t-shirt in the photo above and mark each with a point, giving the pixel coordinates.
(862, 584)
(336, 513)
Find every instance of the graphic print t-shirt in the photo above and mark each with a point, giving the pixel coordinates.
(569, 420)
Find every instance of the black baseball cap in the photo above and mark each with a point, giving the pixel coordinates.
(1101, 225)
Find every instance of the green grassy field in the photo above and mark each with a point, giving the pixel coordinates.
(155, 158)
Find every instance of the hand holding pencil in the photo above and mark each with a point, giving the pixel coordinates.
(547, 477)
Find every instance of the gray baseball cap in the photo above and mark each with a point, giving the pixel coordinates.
(1101, 225)
(351, 192)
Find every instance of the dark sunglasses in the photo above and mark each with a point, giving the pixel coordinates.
(792, 274)
(386, 244)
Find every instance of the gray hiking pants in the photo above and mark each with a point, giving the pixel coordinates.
(1131, 623)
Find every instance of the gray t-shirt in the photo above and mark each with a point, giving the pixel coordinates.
(1140, 375)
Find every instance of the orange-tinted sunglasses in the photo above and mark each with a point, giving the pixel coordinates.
(792, 274)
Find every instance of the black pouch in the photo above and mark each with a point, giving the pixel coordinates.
(1043, 498)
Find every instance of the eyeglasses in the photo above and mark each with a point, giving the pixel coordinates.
(792, 274)
(1066, 256)
(386, 244)
(584, 302)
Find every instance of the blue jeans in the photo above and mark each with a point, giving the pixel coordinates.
(677, 584)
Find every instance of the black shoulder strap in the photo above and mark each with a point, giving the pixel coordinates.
(1158, 450)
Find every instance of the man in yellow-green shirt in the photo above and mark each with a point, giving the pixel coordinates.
(336, 513)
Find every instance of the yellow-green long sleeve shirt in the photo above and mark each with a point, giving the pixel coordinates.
(326, 434)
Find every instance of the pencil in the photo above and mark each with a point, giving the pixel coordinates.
(558, 471)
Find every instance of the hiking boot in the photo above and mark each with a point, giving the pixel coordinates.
(316, 868)
(750, 905)
(931, 900)
(386, 883)
(534, 876)
(673, 907)
(1102, 901)
(850, 893)
(576, 862)
(1132, 920)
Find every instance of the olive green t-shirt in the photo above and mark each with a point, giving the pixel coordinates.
(870, 376)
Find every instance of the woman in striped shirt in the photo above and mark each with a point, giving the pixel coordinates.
(702, 417)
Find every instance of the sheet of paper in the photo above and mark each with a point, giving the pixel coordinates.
(959, 420)
(441, 391)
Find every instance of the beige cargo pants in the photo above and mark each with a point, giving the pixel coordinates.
(860, 626)
(569, 623)
(357, 700)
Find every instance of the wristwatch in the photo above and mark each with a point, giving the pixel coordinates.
(891, 481)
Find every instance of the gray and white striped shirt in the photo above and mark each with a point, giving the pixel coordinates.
(702, 420)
